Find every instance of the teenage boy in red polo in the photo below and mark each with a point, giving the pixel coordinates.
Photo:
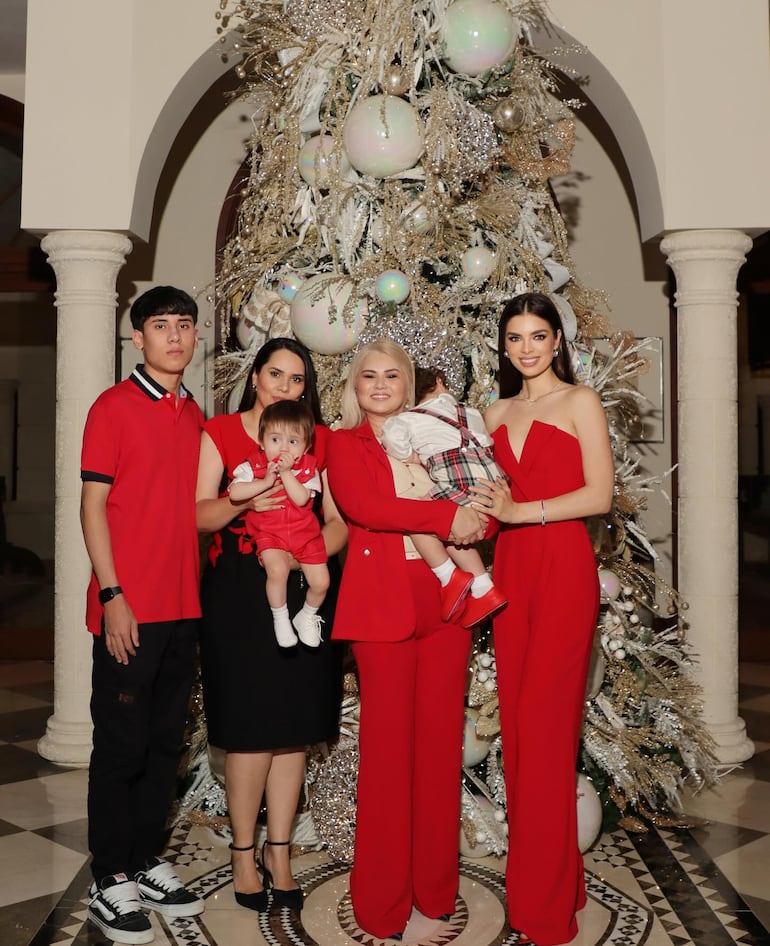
(139, 467)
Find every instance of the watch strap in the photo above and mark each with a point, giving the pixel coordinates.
(107, 594)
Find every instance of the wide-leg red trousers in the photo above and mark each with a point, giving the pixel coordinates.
(411, 730)
(543, 644)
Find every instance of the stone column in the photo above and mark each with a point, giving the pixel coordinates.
(86, 264)
(706, 264)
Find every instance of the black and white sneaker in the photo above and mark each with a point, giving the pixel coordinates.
(114, 907)
(161, 889)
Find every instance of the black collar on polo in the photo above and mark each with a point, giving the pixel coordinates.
(150, 386)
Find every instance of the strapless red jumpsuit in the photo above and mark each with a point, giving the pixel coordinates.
(543, 644)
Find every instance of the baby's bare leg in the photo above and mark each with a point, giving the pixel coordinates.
(317, 577)
(277, 563)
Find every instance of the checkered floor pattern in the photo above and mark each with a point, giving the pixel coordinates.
(709, 886)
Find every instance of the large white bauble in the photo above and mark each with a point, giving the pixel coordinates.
(317, 160)
(316, 315)
(478, 35)
(475, 747)
(383, 135)
(589, 813)
(596, 669)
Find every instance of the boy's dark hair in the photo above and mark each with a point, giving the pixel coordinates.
(292, 414)
(425, 380)
(162, 300)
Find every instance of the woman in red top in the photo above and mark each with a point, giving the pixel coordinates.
(263, 703)
(411, 664)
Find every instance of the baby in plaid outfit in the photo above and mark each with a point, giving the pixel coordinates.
(450, 441)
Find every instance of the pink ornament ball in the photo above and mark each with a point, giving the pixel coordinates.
(316, 315)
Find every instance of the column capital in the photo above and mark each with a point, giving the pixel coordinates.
(705, 244)
(706, 264)
(85, 244)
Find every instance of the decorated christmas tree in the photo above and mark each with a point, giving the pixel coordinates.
(399, 186)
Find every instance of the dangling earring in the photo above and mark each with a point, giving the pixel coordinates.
(506, 355)
(253, 385)
(555, 352)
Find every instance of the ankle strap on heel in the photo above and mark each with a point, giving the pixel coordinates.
(277, 843)
(234, 847)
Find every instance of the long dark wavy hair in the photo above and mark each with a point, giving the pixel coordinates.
(309, 395)
(531, 303)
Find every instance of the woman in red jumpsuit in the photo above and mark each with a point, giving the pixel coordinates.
(411, 664)
(551, 437)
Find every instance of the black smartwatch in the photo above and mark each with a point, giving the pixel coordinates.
(107, 594)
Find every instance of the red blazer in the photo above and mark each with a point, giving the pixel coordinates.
(374, 602)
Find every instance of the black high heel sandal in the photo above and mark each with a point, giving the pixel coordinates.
(292, 899)
(252, 901)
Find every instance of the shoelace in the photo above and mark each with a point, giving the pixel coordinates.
(164, 876)
(123, 898)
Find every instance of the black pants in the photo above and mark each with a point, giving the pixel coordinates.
(139, 711)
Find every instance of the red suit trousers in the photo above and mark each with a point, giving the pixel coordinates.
(411, 730)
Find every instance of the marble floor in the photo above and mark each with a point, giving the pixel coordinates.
(707, 886)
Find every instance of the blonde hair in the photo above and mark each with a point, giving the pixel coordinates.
(352, 415)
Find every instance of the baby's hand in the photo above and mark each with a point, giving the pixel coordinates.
(284, 461)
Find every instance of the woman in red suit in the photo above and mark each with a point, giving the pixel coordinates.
(551, 437)
(411, 664)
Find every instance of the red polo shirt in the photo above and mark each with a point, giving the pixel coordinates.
(144, 442)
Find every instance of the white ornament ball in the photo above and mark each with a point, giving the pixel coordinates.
(416, 218)
(383, 135)
(596, 670)
(478, 262)
(589, 813)
(480, 849)
(317, 161)
(609, 584)
(316, 315)
(478, 35)
(234, 399)
(245, 330)
(290, 285)
(475, 747)
(485, 660)
(392, 286)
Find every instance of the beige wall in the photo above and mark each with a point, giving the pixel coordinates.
(608, 256)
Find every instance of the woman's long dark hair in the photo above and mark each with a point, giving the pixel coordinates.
(531, 303)
(310, 394)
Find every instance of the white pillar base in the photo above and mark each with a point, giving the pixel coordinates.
(86, 264)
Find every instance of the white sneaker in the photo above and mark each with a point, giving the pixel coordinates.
(115, 908)
(160, 889)
(308, 628)
(284, 634)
